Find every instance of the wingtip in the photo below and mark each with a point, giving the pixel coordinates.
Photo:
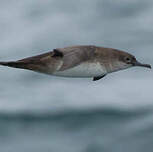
(57, 53)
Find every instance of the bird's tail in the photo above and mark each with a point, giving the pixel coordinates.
(39, 63)
(14, 64)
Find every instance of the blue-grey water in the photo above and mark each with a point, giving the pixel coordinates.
(50, 114)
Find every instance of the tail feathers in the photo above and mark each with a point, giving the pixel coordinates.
(13, 64)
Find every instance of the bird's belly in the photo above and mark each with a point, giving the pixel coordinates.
(83, 70)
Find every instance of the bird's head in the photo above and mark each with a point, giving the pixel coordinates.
(130, 60)
(123, 60)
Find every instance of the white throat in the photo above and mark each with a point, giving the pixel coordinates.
(117, 66)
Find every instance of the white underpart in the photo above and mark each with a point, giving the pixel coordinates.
(83, 70)
(117, 66)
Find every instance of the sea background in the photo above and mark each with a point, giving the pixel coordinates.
(41, 113)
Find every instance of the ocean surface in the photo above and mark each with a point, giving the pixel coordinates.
(41, 113)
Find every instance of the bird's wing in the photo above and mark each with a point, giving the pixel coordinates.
(73, 56)
(99, 77)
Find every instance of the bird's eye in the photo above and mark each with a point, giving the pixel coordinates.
(128, 60)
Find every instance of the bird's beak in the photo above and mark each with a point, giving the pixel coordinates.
(142, 65)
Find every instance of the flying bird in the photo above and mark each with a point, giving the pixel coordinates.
(78, 61)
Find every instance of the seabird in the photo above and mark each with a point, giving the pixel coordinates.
(78, 61)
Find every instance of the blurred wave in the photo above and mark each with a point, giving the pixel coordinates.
(97, 130)
(77, 114)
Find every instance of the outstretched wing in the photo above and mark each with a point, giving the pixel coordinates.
(75, 55)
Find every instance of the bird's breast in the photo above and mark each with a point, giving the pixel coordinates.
(83, 70)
